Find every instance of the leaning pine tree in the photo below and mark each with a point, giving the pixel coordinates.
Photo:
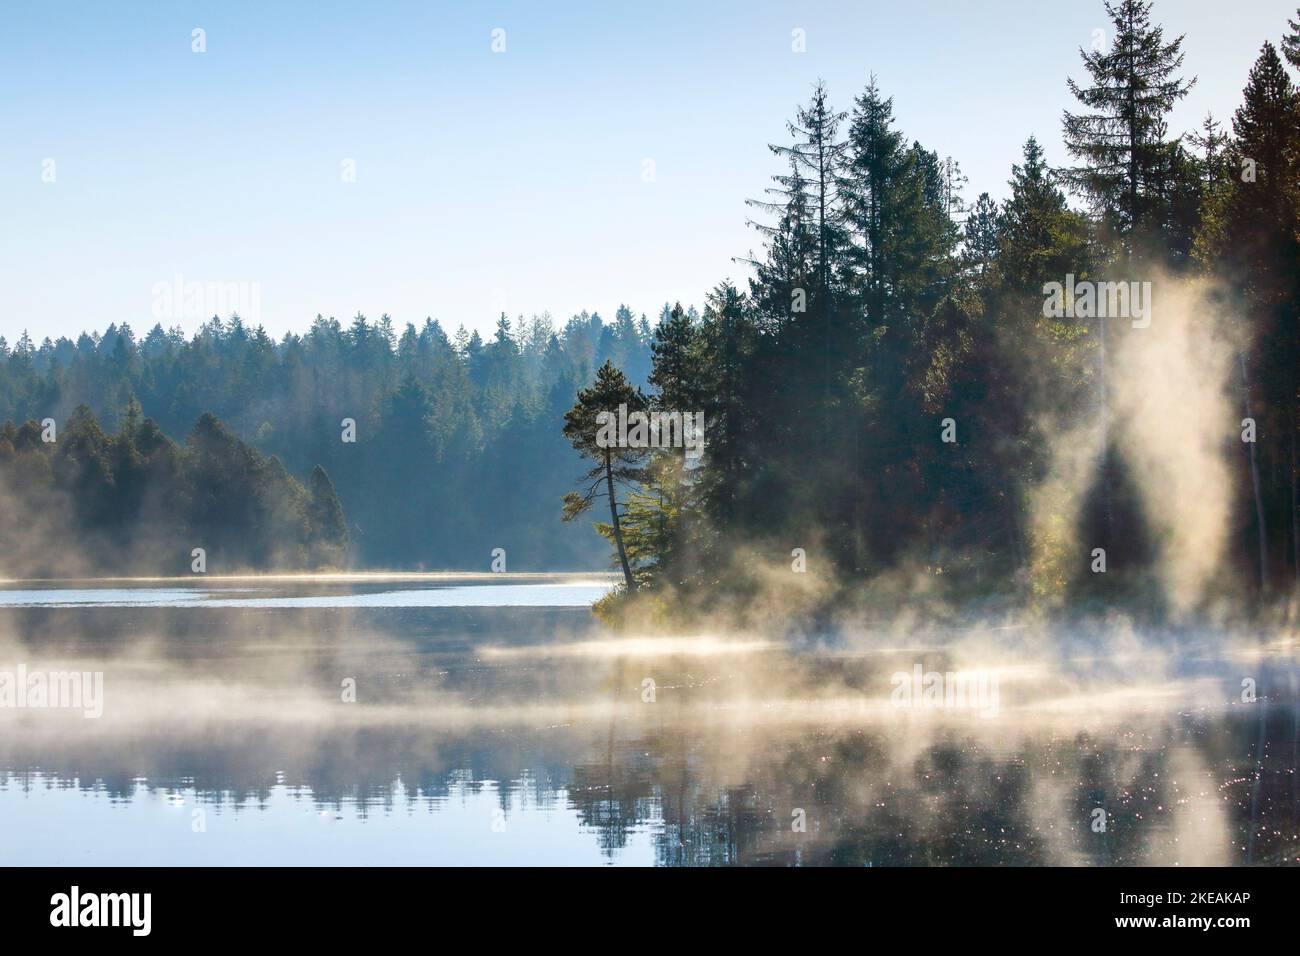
(614, 464)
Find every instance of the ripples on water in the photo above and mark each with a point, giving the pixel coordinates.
(497, 723)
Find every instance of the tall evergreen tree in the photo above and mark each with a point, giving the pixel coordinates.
(1128, 165)
(783, 278)
(882, 200)
(1213, 142)
(817, 155)
(1040, 238)
(1250, 236)
(980, 237)
(1291, 42)
(327, 528)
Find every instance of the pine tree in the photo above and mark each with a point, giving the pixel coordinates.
(1127, 163)
(1291, 42)
(816, 158)
(677, 371)
(880, 198)
(980, 238)
(898, 200)
(615, 465)
(1248, 229)
(783, 278)
(1213, 144)
(727, 342)
(327, 528)
(1040, 238)
(1267, 130)
(1250, 236)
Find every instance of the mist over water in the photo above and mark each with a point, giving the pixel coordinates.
(479, 719)
(525, 733)
(1177, 421)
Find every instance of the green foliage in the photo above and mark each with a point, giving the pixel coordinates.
(1249, 236)
(457, 452)
(875, 312)
(135, 502)
(1129, 166)
(616, 464)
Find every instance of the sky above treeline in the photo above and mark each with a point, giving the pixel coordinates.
(407, 158)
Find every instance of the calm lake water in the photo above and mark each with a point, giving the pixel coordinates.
(490, 720)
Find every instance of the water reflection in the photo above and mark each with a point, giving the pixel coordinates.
(497, 594)
(528, 735)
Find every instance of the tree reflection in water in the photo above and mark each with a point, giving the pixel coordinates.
(715, 771)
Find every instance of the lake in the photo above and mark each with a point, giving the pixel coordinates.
(490, 719)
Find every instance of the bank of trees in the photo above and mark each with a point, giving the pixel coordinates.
(455, 453)
(885, 302)
(80, 501)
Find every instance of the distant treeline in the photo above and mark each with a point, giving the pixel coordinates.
(889, 389)
(74, 500)
(455, 451)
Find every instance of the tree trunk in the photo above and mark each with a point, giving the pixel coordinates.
(1295, 504)
(618, 530)
(1132, 140)
(1105, 437)
(1295, 520)
(1016, 527)
(1254, 478)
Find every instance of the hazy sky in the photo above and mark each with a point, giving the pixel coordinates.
(485, 181)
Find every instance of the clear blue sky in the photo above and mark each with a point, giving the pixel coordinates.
(486, 180)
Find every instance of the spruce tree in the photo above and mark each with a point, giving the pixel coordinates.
(327, 528)
(1213, 144)
(817, 154)
(1250, 236)
(1040, 238)
(1127, 163)
(1248, 232)
(878, 198)
(782, 279)
(980, 238)
(1291, 42)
